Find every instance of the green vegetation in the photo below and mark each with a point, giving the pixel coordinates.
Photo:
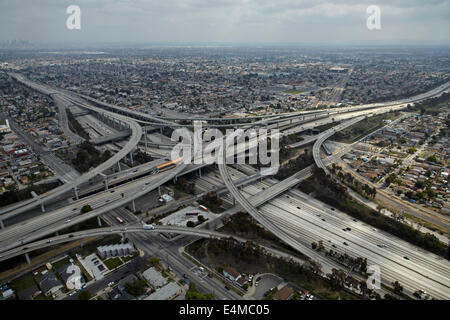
(22, 283)
(364, 127)
(363, 189)
(193, 294)
(59, 264)
(212, 202)
(251, 258)
(113, 263)
(75, 126)
(244, 225)
(84, 295)
(153, 262)
(136, 288)
(186, 186)
(295, 165)
(190, 224)
(432, 106)
(86, 208)
(15, 195)
(334, 194)
(88, 157)
(43, 297)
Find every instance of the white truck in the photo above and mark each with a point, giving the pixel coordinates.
(148, 226)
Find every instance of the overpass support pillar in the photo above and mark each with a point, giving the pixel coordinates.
(159, 191)
(76, 192)
(56, 233)
(2, 224)
(123, 237)
(145, 137)
(200, 172)
(99, 221)
(118, 164)
(134, 205)
(42, 207)
(81, 243)
(28, 258)
(131, 157)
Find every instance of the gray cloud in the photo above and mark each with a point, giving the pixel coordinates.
(225, 21)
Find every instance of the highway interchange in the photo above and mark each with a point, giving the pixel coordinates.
(280, 215)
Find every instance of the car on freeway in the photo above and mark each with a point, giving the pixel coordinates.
(344, 229)
(112, 191)
(349, 229)
(48, 241)
(405, 257)
(70, 236)
(124, 229)
(111, 283)
(334, 246)
(332, 209)
(227, 287)
(75, 209)
(345, 244)
(298, 208)
(68, 220)
(355, 220)
(323, 219)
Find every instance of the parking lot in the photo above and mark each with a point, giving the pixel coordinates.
(265, 283)
(94, 266)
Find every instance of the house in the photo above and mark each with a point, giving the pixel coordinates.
(49, 283)
(284, 293)
(231, 274)
(168, 292)
(114, 250)
(8, 294)
(154, 278)
(65, 274)
(29, 293)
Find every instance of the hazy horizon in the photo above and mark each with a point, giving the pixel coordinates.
(287, 22)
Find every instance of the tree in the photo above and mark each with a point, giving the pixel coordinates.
(398, 288)
(190, 224)
(84, 295)
(153, 261)
(85, 208)
(136, 288)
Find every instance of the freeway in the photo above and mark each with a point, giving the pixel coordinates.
(41, 199)
(324, 136)
(60, 216)
(302, 215)
(130, 228)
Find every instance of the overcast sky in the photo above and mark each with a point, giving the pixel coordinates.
(295, 21)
